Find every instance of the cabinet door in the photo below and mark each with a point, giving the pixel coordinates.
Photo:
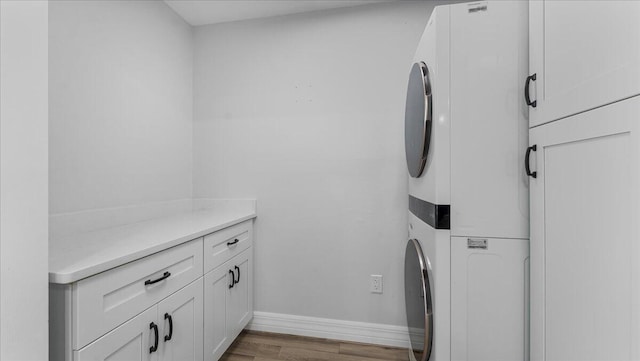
(129, 342)
(585, 248)
(240, 302)
(180, 317)
(585, 54)
(216, 293)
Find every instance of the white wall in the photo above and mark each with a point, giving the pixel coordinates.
(120, 92)
(23, 180)
(305, 113)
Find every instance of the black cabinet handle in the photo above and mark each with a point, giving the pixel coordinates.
(164, 277)
(232, 243)
(527, 97)
(526, 161)
(233, 279)
(154, 327)
(168, 317)
(238, 280)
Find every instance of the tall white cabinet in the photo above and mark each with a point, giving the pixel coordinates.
(585, 250)
(584, 161)
(583, 54)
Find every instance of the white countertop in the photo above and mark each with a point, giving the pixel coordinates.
(72, 258)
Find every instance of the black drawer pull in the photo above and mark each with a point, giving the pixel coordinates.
(527, 97)
(154, 327)
(238, 280)
(168, 317)
(233, 279)
(526, 162)
(164, 277)
(234, 242)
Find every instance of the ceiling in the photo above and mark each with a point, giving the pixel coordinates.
(203, 12)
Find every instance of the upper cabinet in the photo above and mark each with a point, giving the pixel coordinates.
(583, 54)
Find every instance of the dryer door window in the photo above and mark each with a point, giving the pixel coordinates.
(418, 301)
(417, 119)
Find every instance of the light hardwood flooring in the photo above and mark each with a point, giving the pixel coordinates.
(262, 346)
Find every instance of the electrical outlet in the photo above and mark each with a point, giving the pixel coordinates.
(376, 284)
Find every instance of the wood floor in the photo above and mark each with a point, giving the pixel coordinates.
(261, 346)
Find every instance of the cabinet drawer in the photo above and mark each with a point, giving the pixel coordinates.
(130, 341)
(220, 246)
(106, 300)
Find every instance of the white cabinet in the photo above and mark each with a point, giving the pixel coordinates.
(228, 297)
(228, 287)
(159, 307)
(216, 295)
(585, 273)
(584, 54)
(169, 331)
(181, 320)
(220, 246)
(240, 309)
(129, 342)
(108, 299)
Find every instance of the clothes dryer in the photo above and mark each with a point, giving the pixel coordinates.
(465, 135)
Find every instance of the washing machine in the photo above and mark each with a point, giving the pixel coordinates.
(466, 132)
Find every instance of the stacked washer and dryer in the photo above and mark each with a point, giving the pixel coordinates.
(466, 265)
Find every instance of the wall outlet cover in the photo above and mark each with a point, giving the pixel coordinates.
(376, 284)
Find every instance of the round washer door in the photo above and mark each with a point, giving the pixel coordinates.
(417, 119)
(418, 301)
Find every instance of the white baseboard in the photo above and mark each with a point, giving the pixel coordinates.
(372, 333)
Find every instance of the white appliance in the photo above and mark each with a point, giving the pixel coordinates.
(465, 136)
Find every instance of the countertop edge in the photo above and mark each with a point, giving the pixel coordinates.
(68, 278)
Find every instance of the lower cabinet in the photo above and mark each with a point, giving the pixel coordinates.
(171, 330)
(228, 298)
(180, 316)
(241, 294)
(131, 341)
(216, 294)
(185, 303)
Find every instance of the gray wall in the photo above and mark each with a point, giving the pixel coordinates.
(120, 91)
(305, 113)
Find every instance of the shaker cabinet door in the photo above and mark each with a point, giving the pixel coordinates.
(216, 294)
(228, 303)
(585, 274)
(584, 54)
(131, 341)
(180, 316)
(240, 300)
